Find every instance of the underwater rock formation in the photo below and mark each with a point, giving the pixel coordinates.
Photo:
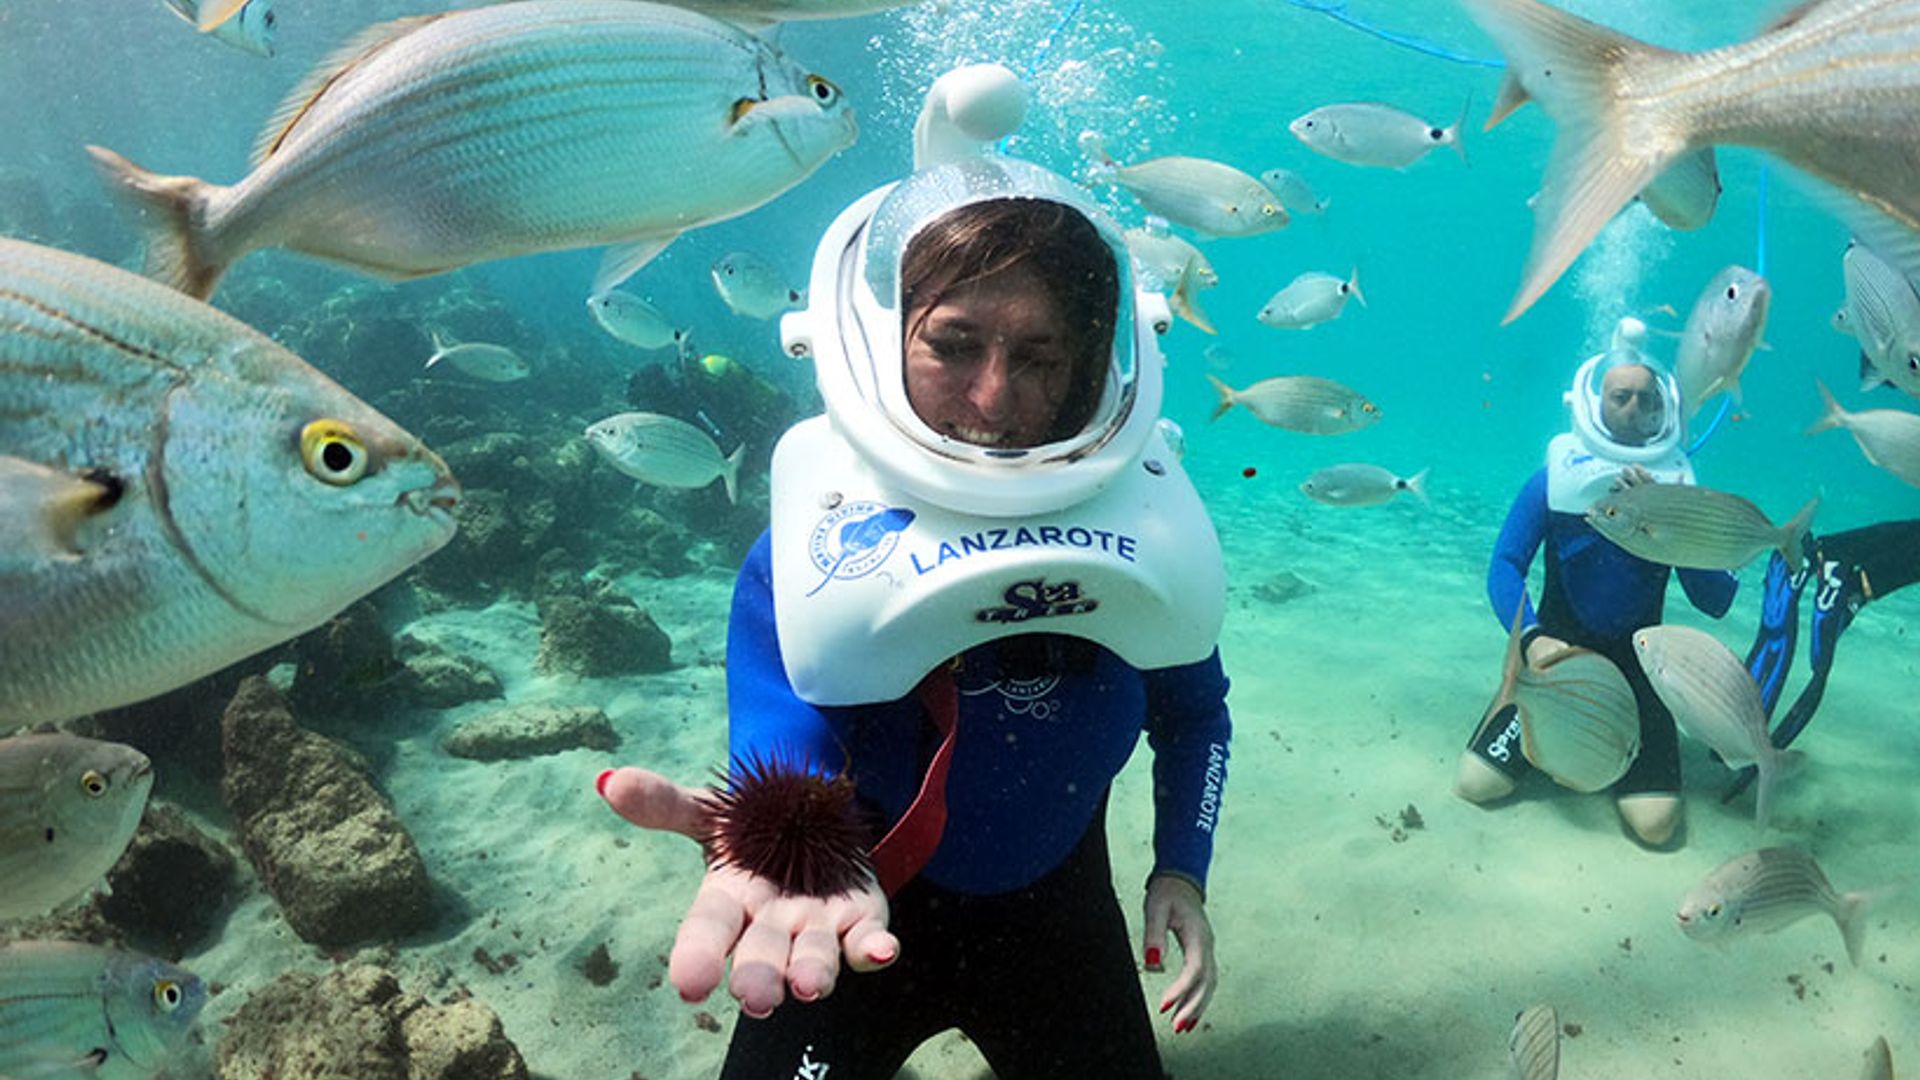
(356, 1023)
(171, 888)
(523, 731)
(323, 839)
(605, 635)
(440, 678)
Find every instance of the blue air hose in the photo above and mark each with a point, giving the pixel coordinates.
(1337, 10)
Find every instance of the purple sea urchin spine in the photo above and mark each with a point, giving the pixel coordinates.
(784, 822)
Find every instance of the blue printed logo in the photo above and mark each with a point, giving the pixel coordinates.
(855, 539)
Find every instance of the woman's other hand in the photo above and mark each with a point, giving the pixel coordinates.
(1174, 903)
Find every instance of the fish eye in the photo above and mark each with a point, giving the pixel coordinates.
(167, 995)
(823, 91)
(94, 783)
(1713, 911)
(269, 18)
(1269, 209)
(1733, 292)
(1436, 134)
(1370, 408)
(332, 452)
(1913, 361)
(1309, 125)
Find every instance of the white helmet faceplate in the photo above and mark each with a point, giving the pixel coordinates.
(1582, 464)
(896, 547)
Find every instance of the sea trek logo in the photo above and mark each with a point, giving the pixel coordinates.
(1038, 600)
(855, 539)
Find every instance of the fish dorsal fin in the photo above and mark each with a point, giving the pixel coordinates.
(356, 51)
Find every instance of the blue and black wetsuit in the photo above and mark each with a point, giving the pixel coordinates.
(1852, 568)
(1596, 595)
(1012, 931)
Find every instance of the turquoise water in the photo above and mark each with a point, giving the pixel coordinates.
(1394, 641)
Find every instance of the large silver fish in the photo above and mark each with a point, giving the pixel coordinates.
(1722, 331)
(1890, 438)
(756, 13)
(1882, 313)
(1694, 527)
(1831, 89)
(177, 491)
(1768, 890)
(1210, 196)
(1304, 403)
(69, 1010)
(1714, 699)
(430, 143)
(68, 808)
(1579, 723)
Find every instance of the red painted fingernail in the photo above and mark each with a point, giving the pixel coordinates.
(1165, 1005)
(1153, 957)
(1183, 1027)
(600, 785)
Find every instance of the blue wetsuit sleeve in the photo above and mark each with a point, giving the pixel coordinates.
(765, 717)
(1710, 590)
(1189, 729)
(1520, 538)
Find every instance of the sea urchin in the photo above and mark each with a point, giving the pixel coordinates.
(786, 823)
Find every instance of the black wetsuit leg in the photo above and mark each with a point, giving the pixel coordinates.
(1497, 742)
(1042, 979)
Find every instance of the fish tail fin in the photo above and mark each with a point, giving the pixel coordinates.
(1227, 398)
(1596, 166)
(1774, 766)
(1833, 417)
(1453, 134)
(1852, 915)
(178, 249)
(1186, 299)
(215, 13)
(731, 474)
(1353, 282)
(1510, 97)
(1417, 483)
(1793, 535)
(439, 347)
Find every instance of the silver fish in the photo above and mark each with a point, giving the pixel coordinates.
(434, 142)
(1165, 256)
(1361, 485)
(1831, 89)
(1890, 438)
(1212, 197)
(1767, 890)
(1685, 196)
(1714, 699)
(1694, 527)
(1882, 313)
(68, 808)
(1293, 191)
(1304, 403)
(249, 27)
(1369, 133)
(1311, 299)
(633, 320)
(754, 14)
(1722, 331)
(195, 492)
(663, 451)
(73, 1010)
(1533, 1050)
(752, 287)
(488, 363)
(1879, 1063)
(1579, 722)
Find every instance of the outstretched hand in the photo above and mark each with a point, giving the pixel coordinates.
(1173, 903)
(779, 943)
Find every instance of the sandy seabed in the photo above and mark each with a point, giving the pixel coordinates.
(1350, 944)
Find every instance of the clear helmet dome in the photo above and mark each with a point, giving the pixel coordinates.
(895, 276)
(1626, 403)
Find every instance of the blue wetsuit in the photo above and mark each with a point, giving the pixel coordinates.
(1011, 931)
(1596, 595)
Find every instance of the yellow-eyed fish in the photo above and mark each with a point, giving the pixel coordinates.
(1213, 197)
(1768, 890)
(69, 1010)
(1830, 88)
(1304, 403)
(433, 142)
(68, 808)
(180, 492)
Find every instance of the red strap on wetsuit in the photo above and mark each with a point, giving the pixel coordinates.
(909, 844)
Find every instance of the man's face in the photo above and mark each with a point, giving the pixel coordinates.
(1631, 405)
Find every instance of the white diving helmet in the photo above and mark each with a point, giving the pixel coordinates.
(1586, 399)
(854, 329)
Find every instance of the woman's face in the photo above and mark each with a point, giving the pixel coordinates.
(990, 363)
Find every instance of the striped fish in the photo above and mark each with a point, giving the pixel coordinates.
(1767, 890)
(1533, 1050)
(1578, 720)
(1304, 403)
(177, 491)
(1831, 88)
(1714, 699)
(1882, 313)
(1209, 196)
(73, 1010)
(1686, 525)
(1890, 438)
(68, 808)
(434, 142)
(666, 452)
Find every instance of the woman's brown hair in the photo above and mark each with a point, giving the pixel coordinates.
(1052, 241)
